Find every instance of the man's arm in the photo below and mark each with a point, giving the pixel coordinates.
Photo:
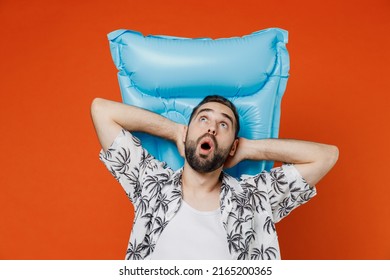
(312, 160)
(110, 117)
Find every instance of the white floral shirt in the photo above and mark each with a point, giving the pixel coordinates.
(250, 207)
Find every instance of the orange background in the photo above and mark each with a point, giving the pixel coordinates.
(57, 200)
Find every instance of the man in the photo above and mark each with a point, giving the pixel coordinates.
(199, 212)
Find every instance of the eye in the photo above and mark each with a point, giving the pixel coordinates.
(223, 125)
(203, 119)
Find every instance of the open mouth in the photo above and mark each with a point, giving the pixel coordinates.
(205, 146)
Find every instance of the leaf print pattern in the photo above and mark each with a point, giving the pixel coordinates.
(249, 207)
(148, 245)
(262, 176)
(278, 181)
(122, 161)
(242, 204)
(161, 224)
(269, 225)
(135, 184)
(263, 253)
(285, 195)
(161, 203)
(148, 217)
(285, 207)
(145, 160)
(255, 197)
(134, 251)
(154, 183)
(142, 206)
(233, 239)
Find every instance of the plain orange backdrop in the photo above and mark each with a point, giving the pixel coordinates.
(57, 200)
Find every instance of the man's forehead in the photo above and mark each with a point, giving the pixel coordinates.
(218, 108)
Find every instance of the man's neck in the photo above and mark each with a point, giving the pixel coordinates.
(201, 190)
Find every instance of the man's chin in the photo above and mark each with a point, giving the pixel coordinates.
(204, 156)
(207, 168)
(207, 171)
(204, 162)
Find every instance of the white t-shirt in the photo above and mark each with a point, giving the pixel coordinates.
(193, 235)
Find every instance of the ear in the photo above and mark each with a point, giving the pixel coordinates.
(234, 147)
(184, 135)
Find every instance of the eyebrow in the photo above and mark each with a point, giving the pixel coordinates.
(211, 110)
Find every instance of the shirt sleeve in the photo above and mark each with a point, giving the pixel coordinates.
(128, 161)
(287, 189)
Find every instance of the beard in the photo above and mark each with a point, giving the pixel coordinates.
(201, 163)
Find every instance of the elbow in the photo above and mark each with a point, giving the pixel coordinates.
(324, 164)
(335, 153)
(99, 112)
(96, 105)
(332, 155)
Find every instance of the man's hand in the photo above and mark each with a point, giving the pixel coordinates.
(180, 138)
(239, 155)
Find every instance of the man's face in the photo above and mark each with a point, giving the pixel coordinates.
(210, 137)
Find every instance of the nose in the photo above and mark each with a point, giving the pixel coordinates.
(212, 131)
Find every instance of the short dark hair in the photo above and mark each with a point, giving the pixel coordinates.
(222, 100)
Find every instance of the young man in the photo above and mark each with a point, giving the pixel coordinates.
(199, 212)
